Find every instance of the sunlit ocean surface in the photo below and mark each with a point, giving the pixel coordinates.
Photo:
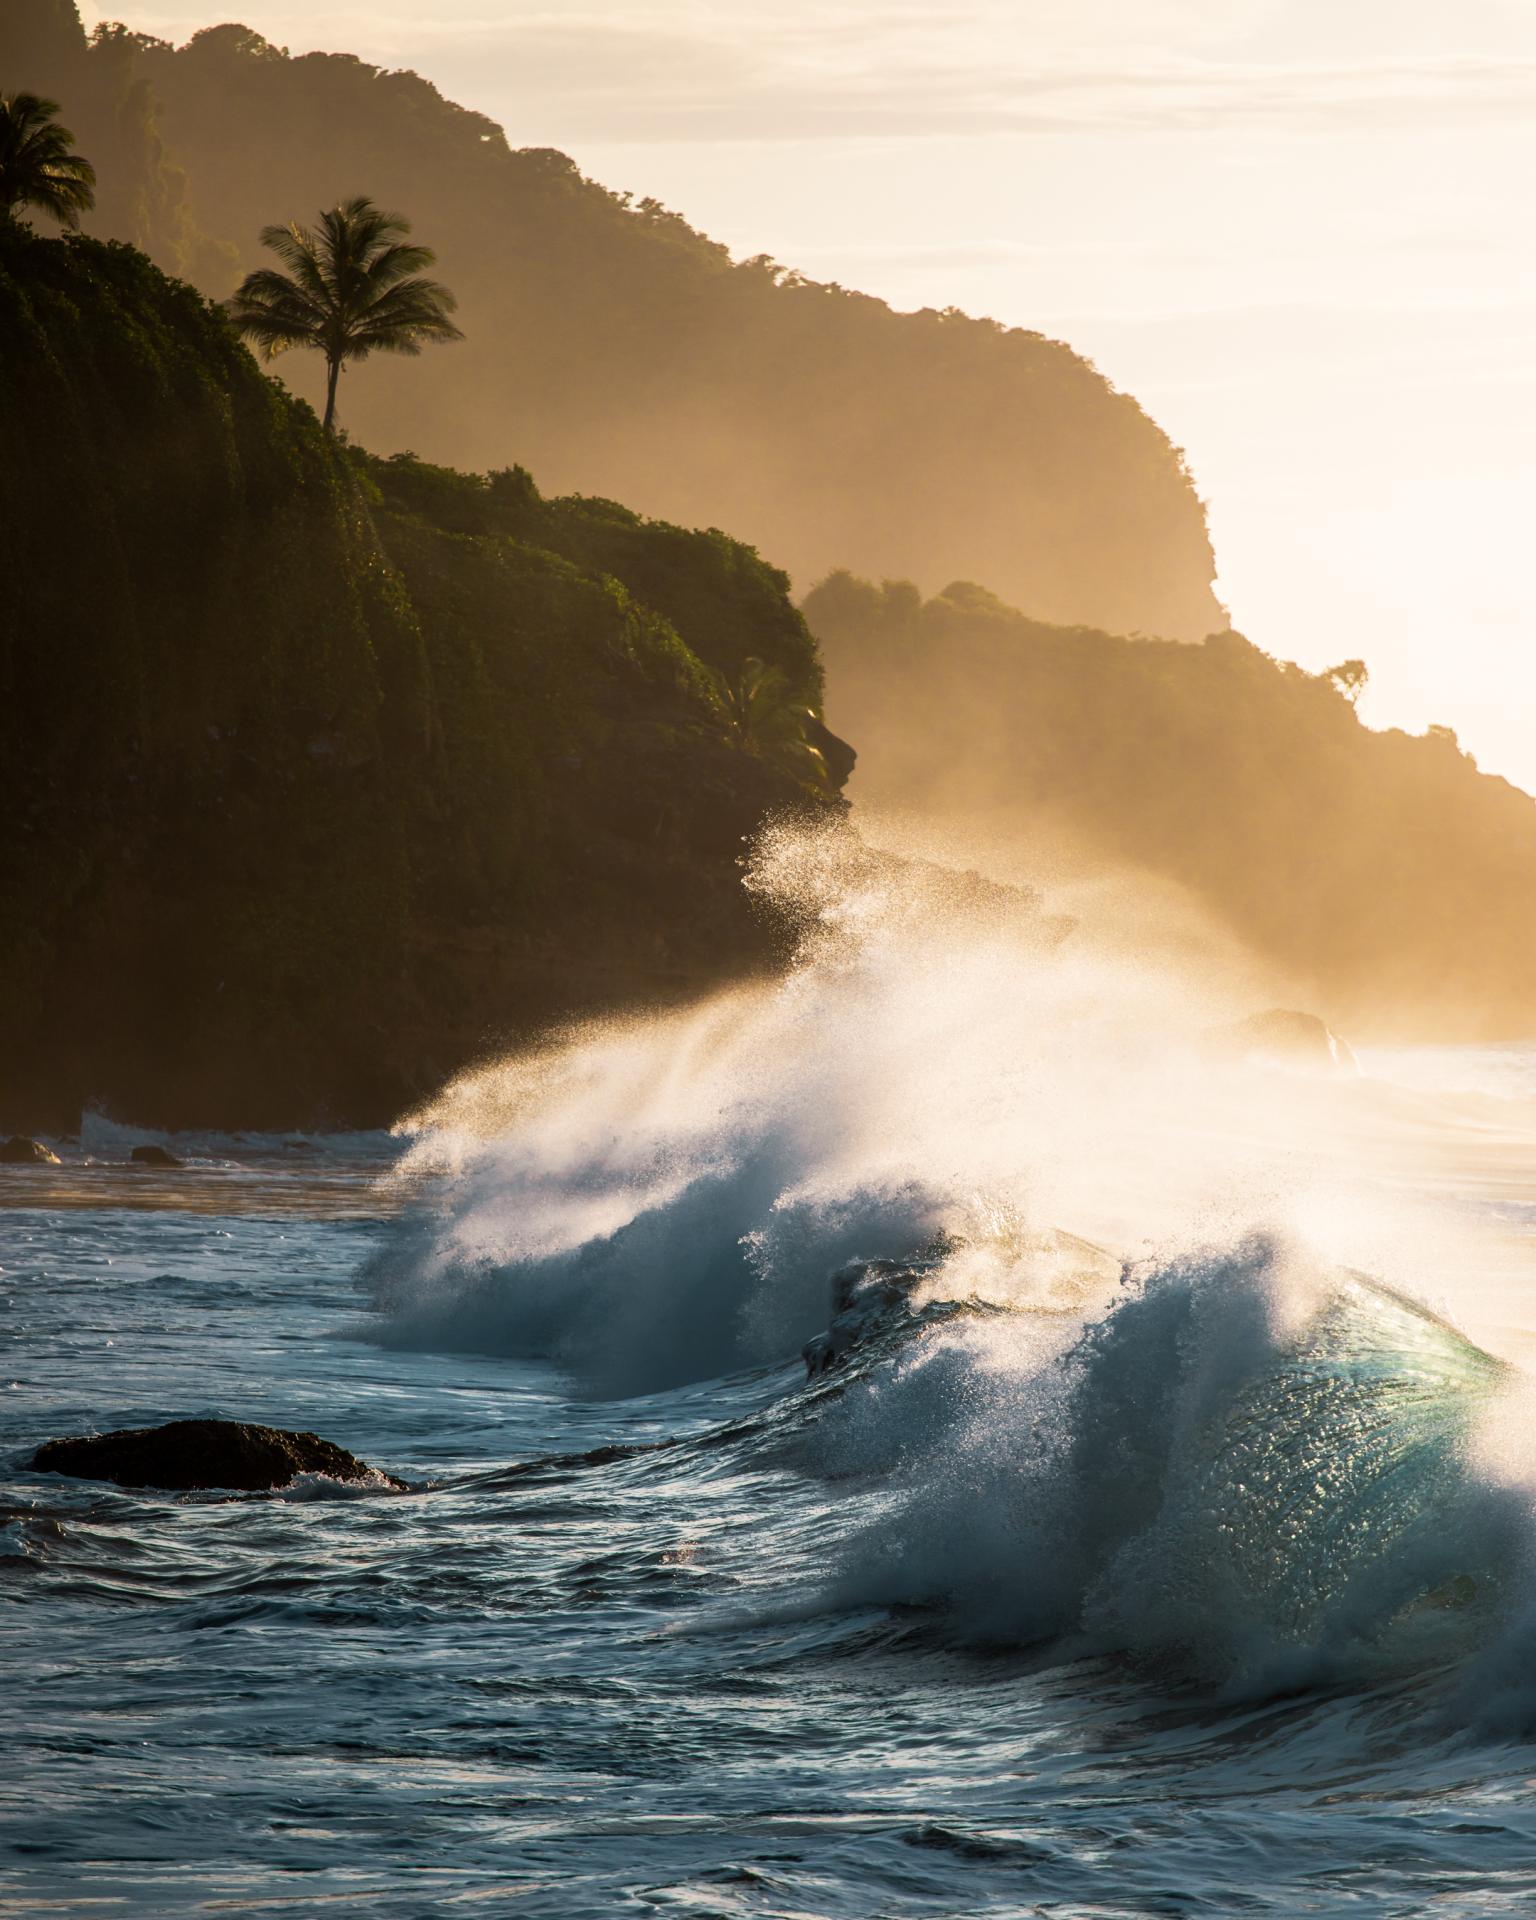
(743, 1644)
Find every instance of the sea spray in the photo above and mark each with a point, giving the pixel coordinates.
(661, 1199)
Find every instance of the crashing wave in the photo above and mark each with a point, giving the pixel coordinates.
(1253, 1464)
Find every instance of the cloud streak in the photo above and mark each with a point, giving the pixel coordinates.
(636, 87)
(690, 70)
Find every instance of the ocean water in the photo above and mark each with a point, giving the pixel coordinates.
(938, 1435)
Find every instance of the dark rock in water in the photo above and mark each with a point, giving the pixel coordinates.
(19, 1151)
(186, 1454)
(1283, 1037)
(152, 1156)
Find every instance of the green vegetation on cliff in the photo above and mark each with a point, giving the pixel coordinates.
(617, 351)
(1384, 877)
(325, 772)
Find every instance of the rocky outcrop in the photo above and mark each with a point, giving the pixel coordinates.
(19, 1151)
(153, 1156)
(188, 1454)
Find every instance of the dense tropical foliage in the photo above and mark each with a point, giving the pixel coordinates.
(766, 717)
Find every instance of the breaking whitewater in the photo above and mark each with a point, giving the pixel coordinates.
(979, 1425)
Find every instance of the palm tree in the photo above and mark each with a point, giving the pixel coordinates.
(766, 716)
(37, 168)
(353, 287)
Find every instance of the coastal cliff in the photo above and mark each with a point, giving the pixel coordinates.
(326, 775)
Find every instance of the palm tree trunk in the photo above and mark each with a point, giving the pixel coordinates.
(332, 369)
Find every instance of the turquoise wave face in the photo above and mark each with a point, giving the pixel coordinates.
(1250, 1467)
(1307, 1477)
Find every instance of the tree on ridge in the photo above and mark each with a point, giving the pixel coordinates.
(353, 286)
(1350, 677)
(37, 168)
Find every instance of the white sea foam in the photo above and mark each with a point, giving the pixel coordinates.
(662, 1199)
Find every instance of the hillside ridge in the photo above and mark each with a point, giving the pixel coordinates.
(617, 351)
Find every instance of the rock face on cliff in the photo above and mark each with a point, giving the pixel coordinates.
(332, 774)
(615, 350)
(185, 1455)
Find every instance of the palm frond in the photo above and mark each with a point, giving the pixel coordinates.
(267, 285)
(393, 264)
(297, 248)
(37, 168)
(404, 318)
(767, 717)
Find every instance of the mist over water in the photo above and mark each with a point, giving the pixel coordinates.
(660, 1200)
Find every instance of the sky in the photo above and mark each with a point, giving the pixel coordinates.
(1301, 232)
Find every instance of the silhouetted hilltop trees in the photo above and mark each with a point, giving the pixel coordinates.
(1379, 872)
(323, 773)
(619, 352)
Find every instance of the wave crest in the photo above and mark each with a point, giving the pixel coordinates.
(1255, 1465)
